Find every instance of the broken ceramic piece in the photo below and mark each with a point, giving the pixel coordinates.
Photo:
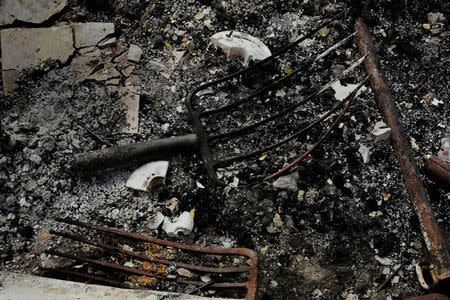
(24, 48)
(444, 152)
(381, 132)
(183, 224)
(236, 43)
(342, 91)
(288, 182)
(32, 11)
(155, 221)
(365, 153)
(148, 176)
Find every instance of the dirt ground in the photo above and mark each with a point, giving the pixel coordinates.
(337, 232)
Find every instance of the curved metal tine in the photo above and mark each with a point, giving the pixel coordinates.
(288, 109)
(227, 161)
(260, 91)
(272, 57)
(144, 257)
(349, 100)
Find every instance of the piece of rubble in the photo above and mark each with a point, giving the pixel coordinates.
(92, 33)
(385, 261)
(182, 224)
(342, 91)
(148, 176)
(32, 11)
(444, 152)
(24, 48)
(107, 43)
(166, 69)
(288, 182)
(155, 221)
(130, 97)
(236, 43)
(25, 287)
(172, 204)
(134, 53)
(381, 132)
(365, 153)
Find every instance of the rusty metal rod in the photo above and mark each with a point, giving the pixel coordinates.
(144, 257)
(141, 272)
(251, 285)
(439, 168)
(419, 197)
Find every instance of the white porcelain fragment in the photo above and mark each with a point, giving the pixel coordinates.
(148, 176)
(381, 132)
(184, 223)
(365, 153)
(342, 91)
(236, 43)
(155, 221)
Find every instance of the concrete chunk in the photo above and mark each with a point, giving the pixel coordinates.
(23, 48)
(134, 53)
(92, 34)
(33, 11)
(25, 287)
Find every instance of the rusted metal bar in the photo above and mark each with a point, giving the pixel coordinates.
(439, 168)
(251, 284)
(144, 257)
(419, 197)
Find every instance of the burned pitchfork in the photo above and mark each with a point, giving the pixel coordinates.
(202, 138)
(151, 266)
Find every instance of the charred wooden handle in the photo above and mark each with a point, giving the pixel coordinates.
(128, 155)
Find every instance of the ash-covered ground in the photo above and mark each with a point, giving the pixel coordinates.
(336, 232)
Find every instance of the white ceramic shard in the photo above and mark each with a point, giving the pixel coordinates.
(148, 175)
(381, 132)
(155, 221)
(236, 43)
(184, 224)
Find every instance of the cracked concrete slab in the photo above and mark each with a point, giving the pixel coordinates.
(32, 11)
(23, 48)
(92, 33)
(24, 287)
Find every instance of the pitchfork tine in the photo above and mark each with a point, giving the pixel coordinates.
(273, 56)
(289, 109)
(350, 98)
(269, 87)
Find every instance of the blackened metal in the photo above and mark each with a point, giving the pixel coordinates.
(127, 155)
(418, 195)
(122, 156)
(350, 98)
(439, 168)
(149, 258)
(251, 284)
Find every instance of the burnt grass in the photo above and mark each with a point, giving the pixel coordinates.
(330, 234)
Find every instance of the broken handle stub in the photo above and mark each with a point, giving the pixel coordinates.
(434, 240)
(132, 154)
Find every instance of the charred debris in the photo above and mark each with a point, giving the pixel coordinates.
(225, 149)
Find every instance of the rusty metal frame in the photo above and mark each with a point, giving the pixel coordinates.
(251, 284)
(434, 240)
